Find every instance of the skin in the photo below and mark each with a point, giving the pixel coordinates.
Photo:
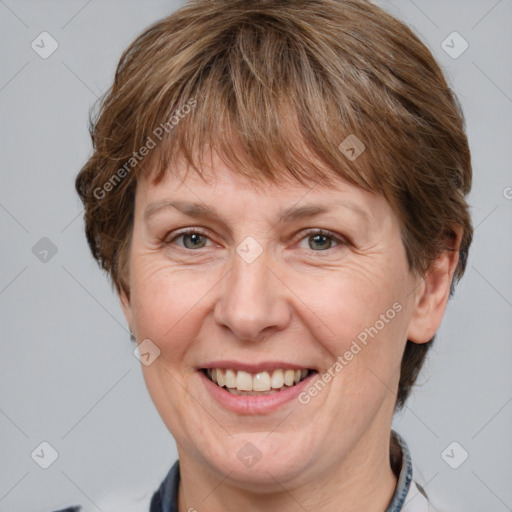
(303, 300)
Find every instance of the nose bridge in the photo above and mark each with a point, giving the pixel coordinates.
(253, 299)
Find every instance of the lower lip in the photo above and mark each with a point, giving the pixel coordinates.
(254, 404)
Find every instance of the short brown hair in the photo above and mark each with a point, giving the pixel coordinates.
(274, 88)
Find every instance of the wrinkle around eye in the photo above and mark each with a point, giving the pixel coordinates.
(173, 242)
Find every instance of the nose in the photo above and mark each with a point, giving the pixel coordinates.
(253, 302)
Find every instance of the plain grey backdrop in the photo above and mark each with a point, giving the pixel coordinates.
(68, 374)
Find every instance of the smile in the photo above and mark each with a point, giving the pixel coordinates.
(243, 383)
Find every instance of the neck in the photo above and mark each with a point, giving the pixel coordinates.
(363, 480)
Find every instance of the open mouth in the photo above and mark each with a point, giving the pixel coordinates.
(256, 384)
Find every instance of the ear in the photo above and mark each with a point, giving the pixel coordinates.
(433, 292)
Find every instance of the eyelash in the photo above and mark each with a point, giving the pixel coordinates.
(340, 241)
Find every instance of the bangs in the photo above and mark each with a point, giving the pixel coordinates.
(264, 105)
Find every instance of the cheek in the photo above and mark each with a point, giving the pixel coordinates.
(358, 316)
(350, 302)
(169, 303)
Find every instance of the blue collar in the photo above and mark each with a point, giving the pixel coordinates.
(165, 499)
(402, 466)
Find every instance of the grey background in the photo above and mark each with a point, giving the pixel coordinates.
(68, 374)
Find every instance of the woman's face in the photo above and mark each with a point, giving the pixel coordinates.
(239, 279)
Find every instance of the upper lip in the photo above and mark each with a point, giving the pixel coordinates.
(255, 367)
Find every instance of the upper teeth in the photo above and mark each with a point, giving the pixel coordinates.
(263, 381)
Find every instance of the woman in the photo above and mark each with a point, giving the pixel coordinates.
(277, 192)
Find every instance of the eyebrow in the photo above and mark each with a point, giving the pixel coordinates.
(290, 214)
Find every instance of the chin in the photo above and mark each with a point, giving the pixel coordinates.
(258, 463)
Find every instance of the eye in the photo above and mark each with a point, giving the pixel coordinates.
(316, 239)
(192, 238)
(320, 240)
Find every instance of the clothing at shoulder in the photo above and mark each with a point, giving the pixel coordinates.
(409, 496)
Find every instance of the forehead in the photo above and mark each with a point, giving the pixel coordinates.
(220, 192)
